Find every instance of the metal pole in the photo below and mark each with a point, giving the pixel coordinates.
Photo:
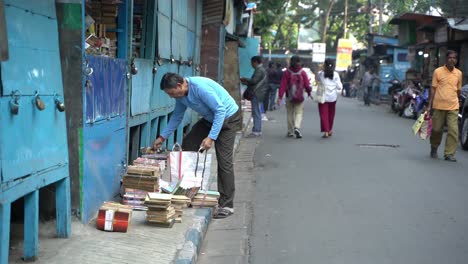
(345, 18)
(380, 17)
(371, 16)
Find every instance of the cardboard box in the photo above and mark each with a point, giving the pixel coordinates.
(114, 217)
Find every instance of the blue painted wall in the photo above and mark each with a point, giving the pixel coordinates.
(104, 132)
(250, 50)
(33, 140)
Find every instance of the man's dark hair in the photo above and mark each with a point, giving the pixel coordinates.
(271, 64)
(170, 80)
(329, 68)
(295, 61)
(450, 52)
(279, 66)
(257, 59)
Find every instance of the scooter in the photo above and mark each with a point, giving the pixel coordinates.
(406, 104)
(393, 92)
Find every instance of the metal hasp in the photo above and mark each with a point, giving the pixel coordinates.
(33, 141)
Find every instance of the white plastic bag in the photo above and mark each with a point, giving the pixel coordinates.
(190, 169)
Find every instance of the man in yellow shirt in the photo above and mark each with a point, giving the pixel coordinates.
(446, 88)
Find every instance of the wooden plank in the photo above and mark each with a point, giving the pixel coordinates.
(5, 214)
(31, 225)
(63, 211)
(11, 191)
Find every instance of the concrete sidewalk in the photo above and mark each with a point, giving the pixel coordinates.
(141, 244)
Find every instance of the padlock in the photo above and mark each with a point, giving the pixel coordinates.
(39, 103)
(14, 106)
(59, 104)
(133, 69)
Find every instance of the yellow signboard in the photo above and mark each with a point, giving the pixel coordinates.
(344, 54)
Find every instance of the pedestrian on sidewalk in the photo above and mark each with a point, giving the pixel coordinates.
(446, 88)
(271, 76)
(294, 83)
(257, 85)
(221, 120)
(276, 85)
(367, 83)
(331, 80)
(274, 78)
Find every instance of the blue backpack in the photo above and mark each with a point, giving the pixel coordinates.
(296, 87)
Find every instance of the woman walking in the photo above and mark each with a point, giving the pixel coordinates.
(331, 80)
(293, 83)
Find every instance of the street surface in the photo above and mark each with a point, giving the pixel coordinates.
(335, 201)
(331, 201)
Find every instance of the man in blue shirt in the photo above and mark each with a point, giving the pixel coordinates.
(221, 120)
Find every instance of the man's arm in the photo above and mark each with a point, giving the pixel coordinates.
(459, 89)
(257, 76)
(211, 99)
(175, 120)
(435, 84)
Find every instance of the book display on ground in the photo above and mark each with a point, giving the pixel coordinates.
(160, 211)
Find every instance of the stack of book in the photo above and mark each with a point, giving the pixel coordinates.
(179, 202)
(160, 211)
(160, 164)
(135, 198)
(141, 177)
(205, 199)
(104, 13)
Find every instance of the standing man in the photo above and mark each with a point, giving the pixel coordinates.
(258, 84)
(221, 120)
(446, 88)
(275, 81)
(367, 82)
(271, 75)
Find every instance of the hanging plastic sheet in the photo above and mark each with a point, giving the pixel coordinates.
(105, 88)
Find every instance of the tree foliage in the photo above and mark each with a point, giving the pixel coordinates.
(278, 21)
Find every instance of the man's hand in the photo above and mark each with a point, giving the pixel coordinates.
(157, 143)
(207, 143)
(278, 102)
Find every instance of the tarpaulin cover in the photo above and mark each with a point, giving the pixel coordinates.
(105, 94)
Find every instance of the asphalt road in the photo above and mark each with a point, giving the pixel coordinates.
(333, 201)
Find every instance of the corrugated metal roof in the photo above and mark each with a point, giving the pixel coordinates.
(458, 23)
(421, 18)
(213, 11)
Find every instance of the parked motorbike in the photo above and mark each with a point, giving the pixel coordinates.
(408, 101)
(393, 92)
(463, 118)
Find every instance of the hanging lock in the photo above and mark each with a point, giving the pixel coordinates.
(155, 69)
(190, 62)
(88, 71)
(38, 102)
(133, 69)
(59, 104)
(14, 103)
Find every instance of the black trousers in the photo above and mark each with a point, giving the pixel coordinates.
(224, 147)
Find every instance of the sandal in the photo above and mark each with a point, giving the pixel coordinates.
(325, 135)
(222, 213)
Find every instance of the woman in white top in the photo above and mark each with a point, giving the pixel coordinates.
(330, 78)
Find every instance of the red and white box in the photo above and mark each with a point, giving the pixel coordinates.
(114, 217)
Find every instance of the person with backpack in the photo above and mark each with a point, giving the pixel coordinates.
(331, 80)
(294, 83)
